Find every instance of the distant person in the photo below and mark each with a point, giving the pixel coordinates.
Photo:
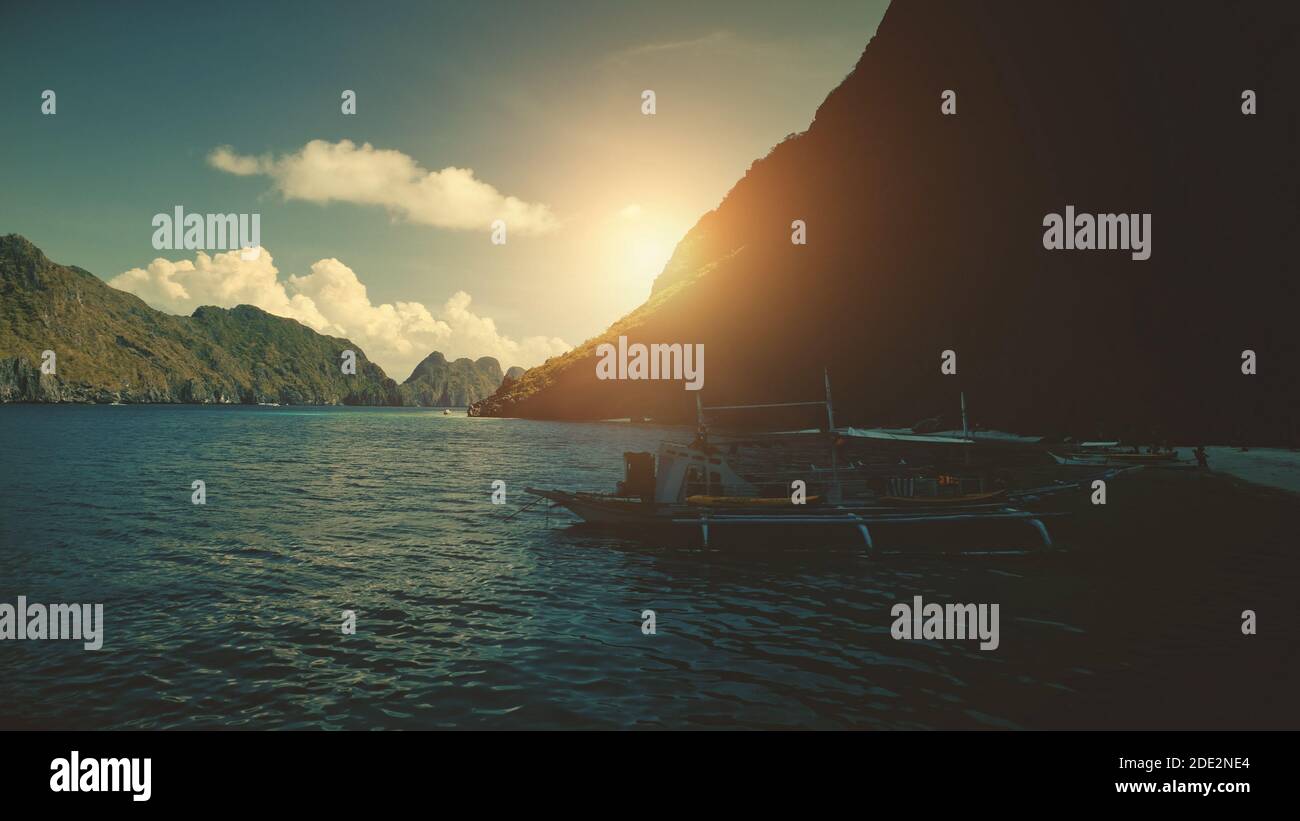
(1202, 459)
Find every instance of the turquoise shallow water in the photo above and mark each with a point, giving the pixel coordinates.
(228, 614)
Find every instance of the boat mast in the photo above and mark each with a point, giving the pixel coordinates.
(830, 428)
(704, 443)
(830, 411)
(965, 428)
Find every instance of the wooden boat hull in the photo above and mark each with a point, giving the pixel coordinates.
(603, 509)
(747, 502)
(787, 522)
(945, 501)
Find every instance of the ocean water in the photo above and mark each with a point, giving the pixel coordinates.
(228, 615)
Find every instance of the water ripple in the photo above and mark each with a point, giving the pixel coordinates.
(229, 614)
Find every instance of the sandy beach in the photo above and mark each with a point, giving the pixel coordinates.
(1273, 467)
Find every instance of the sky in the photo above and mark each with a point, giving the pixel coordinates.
(377, 226)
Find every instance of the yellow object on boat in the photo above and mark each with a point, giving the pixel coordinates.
(745, 501)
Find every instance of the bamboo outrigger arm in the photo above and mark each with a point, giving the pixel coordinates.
(866, 534)
(703, 520)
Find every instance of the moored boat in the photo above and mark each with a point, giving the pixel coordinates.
(697, 486)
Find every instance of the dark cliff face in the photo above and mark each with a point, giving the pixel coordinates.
(925, 233)
(110, 346)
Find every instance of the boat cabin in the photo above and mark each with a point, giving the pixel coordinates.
(679, 471)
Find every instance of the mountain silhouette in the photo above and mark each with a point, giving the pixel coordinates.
(924, 234)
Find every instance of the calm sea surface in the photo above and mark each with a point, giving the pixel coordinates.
(228, 615)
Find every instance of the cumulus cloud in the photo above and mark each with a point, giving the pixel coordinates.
(324, 172)
(479, 333)
(227, 160)
(333, 300)
(225, 280)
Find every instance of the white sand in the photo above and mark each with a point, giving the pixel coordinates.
(1263, 466)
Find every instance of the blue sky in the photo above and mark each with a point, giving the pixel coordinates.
(541, 101)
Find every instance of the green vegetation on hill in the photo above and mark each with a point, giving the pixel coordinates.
(435, 382)
(110, 346)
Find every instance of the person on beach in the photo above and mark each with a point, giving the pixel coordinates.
(1202, 460)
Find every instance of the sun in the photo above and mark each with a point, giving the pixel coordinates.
(644, 242)
(632, 245)
(647, 255)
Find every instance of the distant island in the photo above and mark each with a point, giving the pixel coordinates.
(109, 346)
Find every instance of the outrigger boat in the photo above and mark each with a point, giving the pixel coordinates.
(696, 487)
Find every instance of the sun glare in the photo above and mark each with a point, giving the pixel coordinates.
(647, 255)
(642, 244)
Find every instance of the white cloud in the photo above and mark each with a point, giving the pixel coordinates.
(331, 299)
(225, 280)
(709, 43)
(479, 333)
(227, 160)
(454, 198)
